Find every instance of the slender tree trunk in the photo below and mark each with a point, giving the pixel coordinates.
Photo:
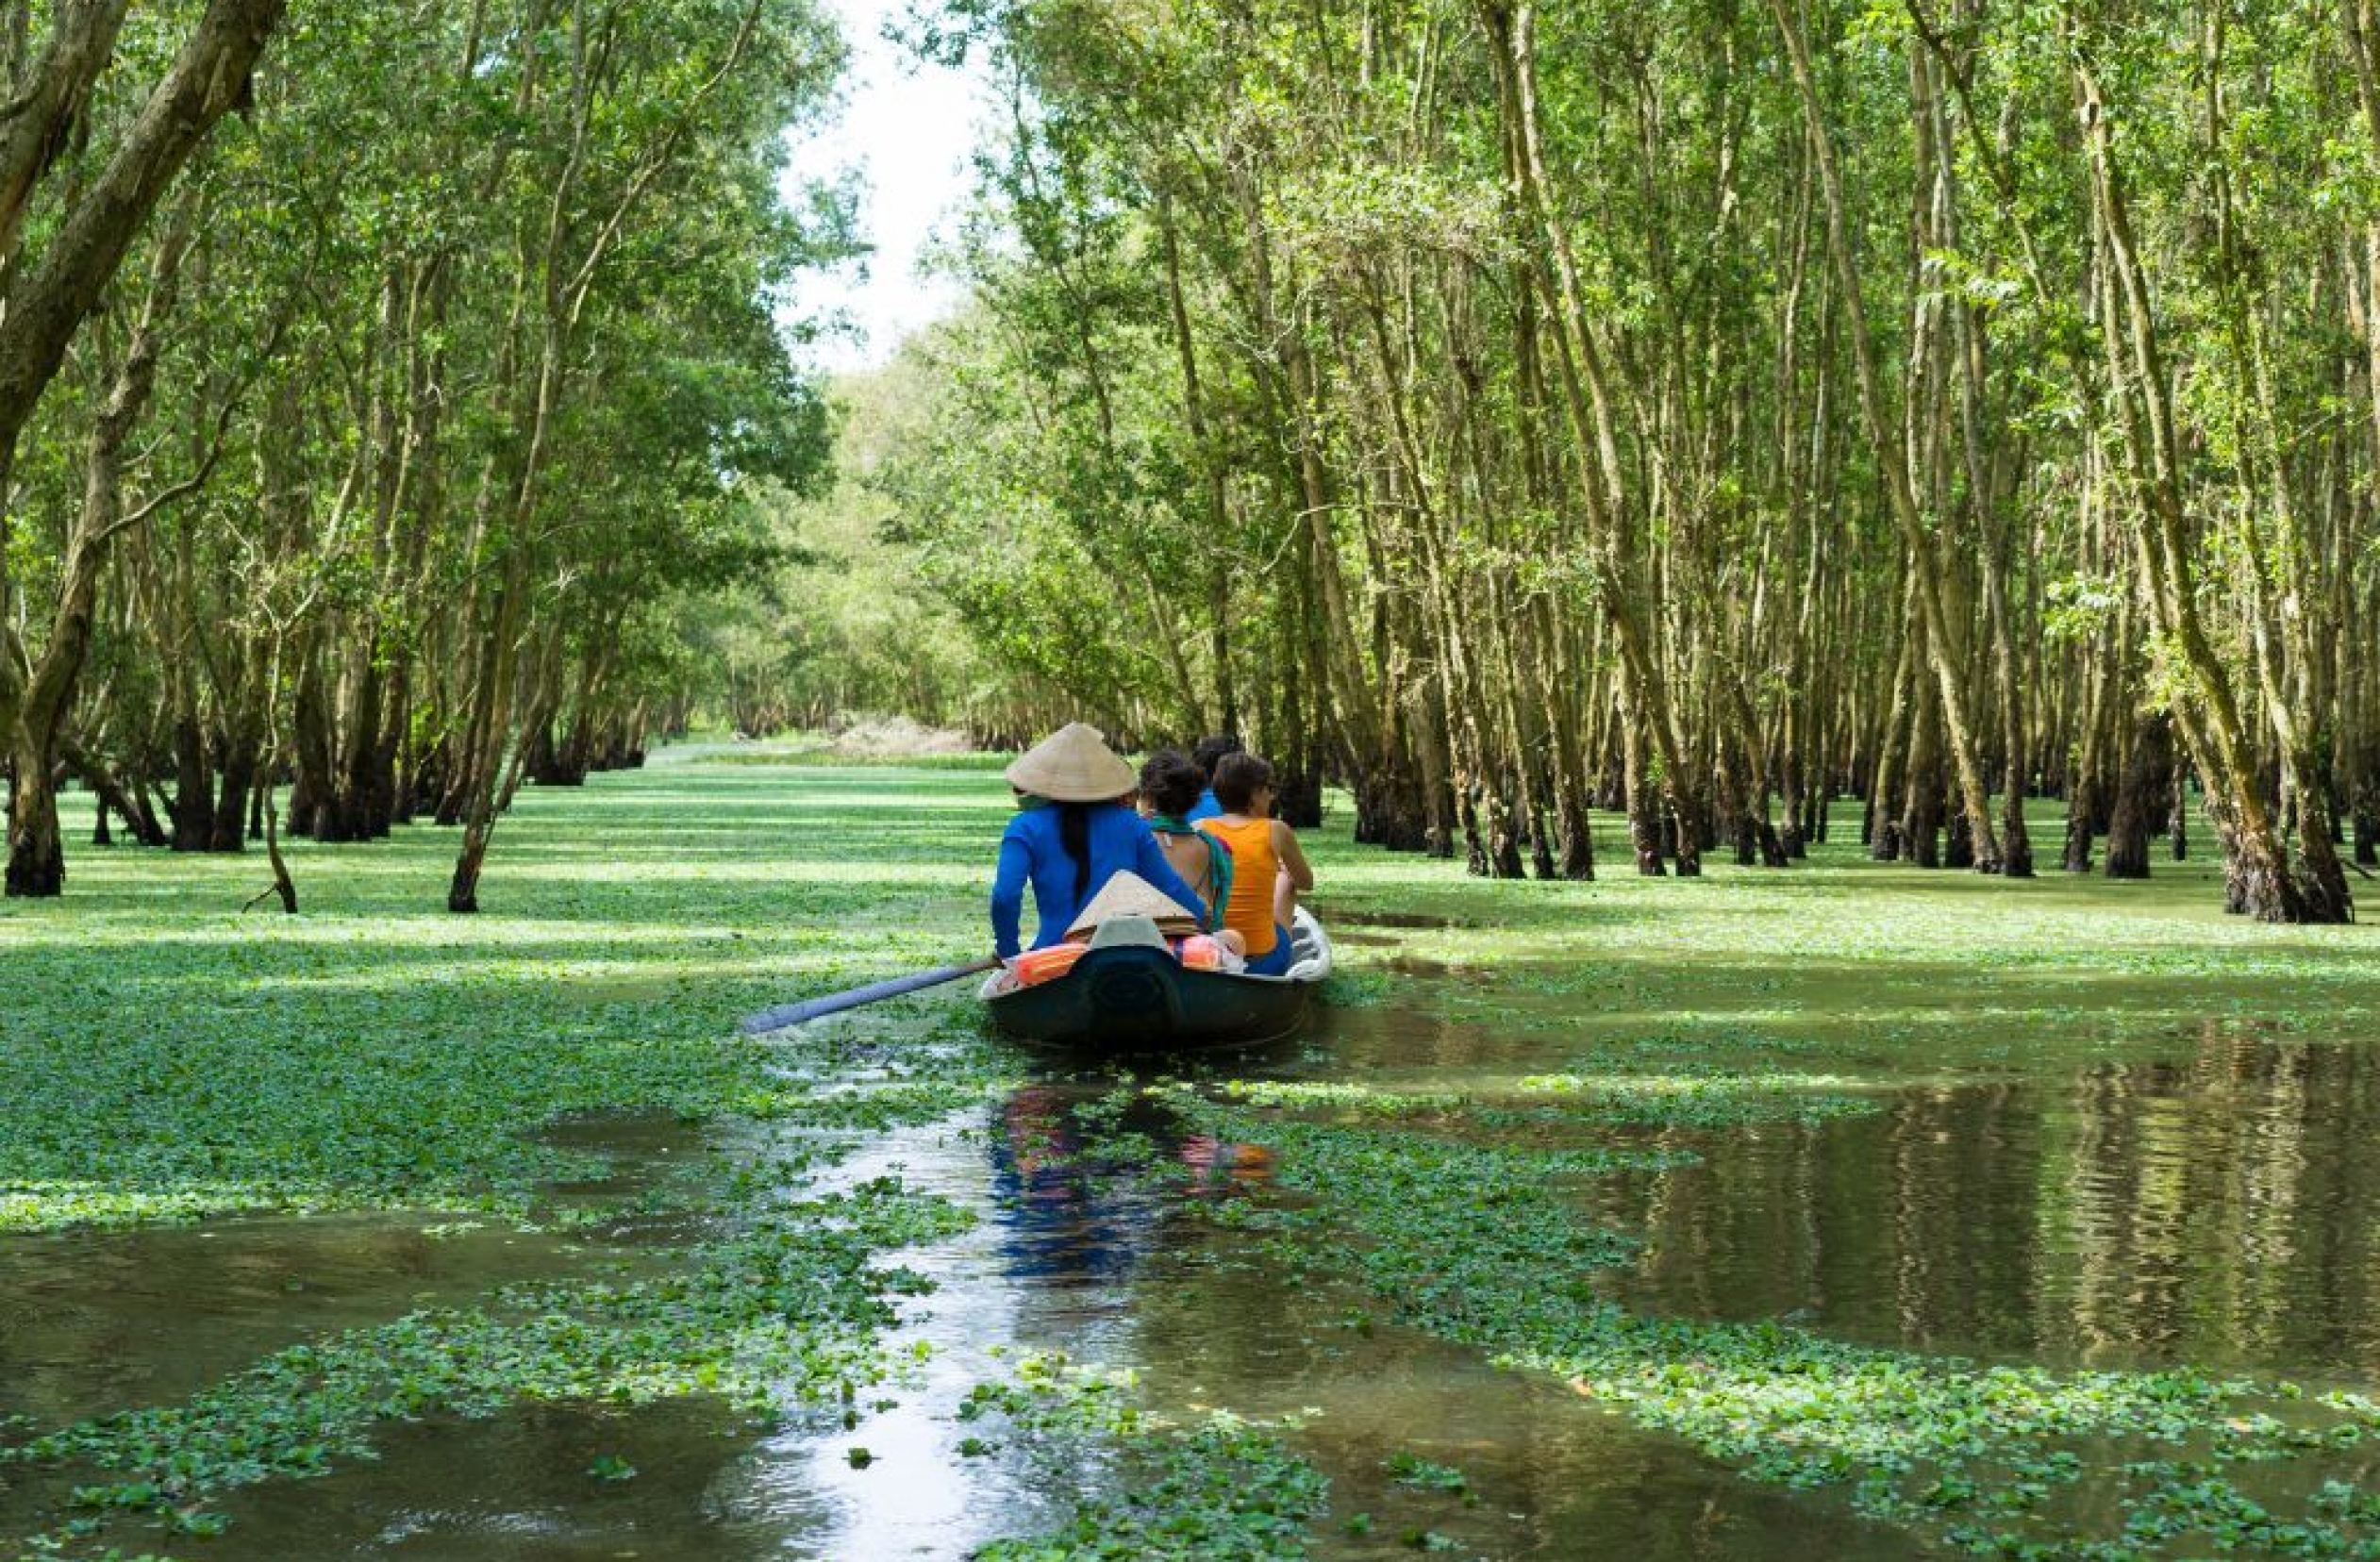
(2141, 796)
(1927, 568)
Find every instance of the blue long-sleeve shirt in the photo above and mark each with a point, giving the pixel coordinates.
(1032, 852)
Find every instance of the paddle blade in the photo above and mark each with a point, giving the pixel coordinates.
(835, 1002)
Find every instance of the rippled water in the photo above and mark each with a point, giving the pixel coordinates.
(2218, 1207)
(2222, 1211)
(96, 1320)
(1065, 1257)
(93, 1320)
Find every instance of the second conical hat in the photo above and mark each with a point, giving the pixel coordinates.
(1072, 765)
(1127, 894)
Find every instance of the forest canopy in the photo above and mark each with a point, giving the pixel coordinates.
(1702, 409)
(1503, 411)
(384, 446)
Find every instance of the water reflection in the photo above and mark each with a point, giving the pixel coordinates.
(2220, 1211)
(96, 1320)
(1081, 1206)
(1086, 1242)
(2209, 1210)
(2214, 1210)
(522, 1486)
(1081, 1202)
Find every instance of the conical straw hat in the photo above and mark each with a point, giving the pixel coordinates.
(1072, 765)
(1127, 894)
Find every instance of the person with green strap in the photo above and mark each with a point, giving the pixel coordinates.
(1169, 786)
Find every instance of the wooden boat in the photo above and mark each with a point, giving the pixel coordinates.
(1128, 994)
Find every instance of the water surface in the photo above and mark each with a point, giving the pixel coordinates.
(2212, 1206)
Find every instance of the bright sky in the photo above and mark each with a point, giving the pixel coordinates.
(907, 129)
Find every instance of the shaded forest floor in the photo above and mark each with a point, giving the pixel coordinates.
(1852, 1208)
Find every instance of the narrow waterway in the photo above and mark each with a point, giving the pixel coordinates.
(2210, 1208)
(1069, 1254)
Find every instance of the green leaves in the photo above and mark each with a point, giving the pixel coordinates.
(1220, 1488)
(1424, 1474)
(168, 1061)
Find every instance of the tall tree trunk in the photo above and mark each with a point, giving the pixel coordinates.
(2140, 797)
(1928, 567)
(2257, 875)
(37, 857)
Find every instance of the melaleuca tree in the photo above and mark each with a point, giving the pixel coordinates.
(1706, 409)
(472, 375)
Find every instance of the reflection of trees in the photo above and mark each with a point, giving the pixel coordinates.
(1218, 1322)
(2219, 1210)
(1964, 1185)
(1910, 1225)
(2126, 1211)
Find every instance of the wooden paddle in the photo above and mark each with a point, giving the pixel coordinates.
(835, 1002)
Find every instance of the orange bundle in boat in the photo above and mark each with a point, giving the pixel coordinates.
(1200, 953)
(1036, 966)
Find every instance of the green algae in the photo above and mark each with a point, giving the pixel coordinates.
(1220, 1488)
(178, 1061)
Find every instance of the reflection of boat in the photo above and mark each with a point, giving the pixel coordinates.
(1128, 994)
(1074, 1200)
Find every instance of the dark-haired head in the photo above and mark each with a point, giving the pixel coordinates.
(1238, 779)
(1172, 783)
(1211, 750)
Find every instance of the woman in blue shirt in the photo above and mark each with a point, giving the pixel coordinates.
(1072, 833)
(1206, 755)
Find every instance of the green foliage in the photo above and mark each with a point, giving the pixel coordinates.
(1485, 405)
(842, 621)
(1411, 1470)
(483, 371)
(1446, 1172)
(1220, 1488)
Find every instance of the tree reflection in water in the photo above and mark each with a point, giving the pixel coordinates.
(2223, 1212)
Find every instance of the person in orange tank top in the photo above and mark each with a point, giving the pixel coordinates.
(1264, 852)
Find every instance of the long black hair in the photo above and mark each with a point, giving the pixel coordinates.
(1073, 833)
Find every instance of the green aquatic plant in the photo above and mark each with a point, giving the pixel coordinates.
(1694, 1094)
(785, 1312)
(169, 1060)
(1359, 1100)
(1483, 1247)
(1426, 1474)
(1217, 1490)
(172, 1062)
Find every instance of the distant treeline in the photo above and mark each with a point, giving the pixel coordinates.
(1698, 408)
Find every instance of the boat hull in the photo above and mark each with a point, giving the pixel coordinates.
(1131, 998)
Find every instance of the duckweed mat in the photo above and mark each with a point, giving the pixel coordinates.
(1850, 1209)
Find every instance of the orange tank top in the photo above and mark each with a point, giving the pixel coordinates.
(1253, 867)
